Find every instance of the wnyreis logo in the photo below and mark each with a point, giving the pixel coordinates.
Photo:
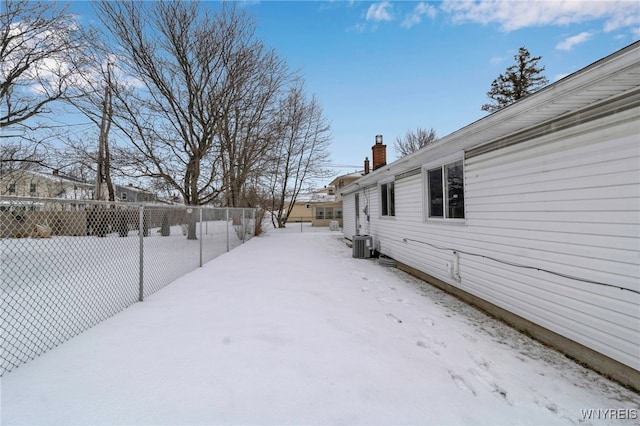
(609, 414)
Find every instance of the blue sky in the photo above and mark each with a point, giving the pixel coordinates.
(389, 67)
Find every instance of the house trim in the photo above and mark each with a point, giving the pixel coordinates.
(624, 102)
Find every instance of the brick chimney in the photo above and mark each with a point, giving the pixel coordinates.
(379, 153)
(366, 165)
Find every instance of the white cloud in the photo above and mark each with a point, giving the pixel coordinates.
(624, 20)
(497, 60)
(513, 15)
(568, 43)
(358, 28)
(420, 10)
(379, 12)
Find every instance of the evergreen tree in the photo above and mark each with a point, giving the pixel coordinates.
(520, 80)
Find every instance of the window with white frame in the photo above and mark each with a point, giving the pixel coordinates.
(387, 199)
(445, 191)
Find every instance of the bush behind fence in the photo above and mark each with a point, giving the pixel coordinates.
(68, 265)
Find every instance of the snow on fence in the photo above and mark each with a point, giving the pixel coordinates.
(68, 264)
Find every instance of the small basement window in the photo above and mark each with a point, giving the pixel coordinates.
(445, 191)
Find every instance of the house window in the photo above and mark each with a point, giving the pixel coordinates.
(387, 199)
(338, 213)
(319, 213)
(123, 196)
(32, 188)
(328, 212)
(12, 188)
(445, 187)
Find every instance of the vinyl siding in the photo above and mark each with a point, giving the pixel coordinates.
(348, 216)
(567, 202)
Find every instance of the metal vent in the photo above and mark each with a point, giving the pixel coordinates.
(362, 245)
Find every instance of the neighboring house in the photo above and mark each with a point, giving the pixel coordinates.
(531, 213)
(324, 206)
(23, 183)
(303, 209)
(325, 212)
(132, 194)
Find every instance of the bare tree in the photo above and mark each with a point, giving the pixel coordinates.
(97, 105)
(173, 51)
(301, 148)
(15, 155)
(42, 50)
(40, 54)
(414, 140)
(255, 79)
(199, 119)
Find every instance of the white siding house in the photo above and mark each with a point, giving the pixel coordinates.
(531, 213)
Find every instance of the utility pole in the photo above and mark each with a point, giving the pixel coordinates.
(103, 172)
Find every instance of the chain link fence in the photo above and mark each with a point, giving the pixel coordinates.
(68, 265)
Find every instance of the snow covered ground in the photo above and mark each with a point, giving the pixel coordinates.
(290, 329)
(66, 284)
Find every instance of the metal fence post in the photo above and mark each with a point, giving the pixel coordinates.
(227, 228)
(244, 227)
(200, 236)
(141, 240)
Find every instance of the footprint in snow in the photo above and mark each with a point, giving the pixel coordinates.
(461, 383)
(394, 318)
(488, 381)
(480, 361)
(433, 346)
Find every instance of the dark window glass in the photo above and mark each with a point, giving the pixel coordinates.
(455, 190)
(387, 199)
(435, 193)
(384, 200)
(392, 199)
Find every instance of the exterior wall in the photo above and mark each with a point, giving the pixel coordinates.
(566, 202)
(336, 214)
(570, 205)
(349, 216)
(300, 213)
(50, 186)
(133, 195)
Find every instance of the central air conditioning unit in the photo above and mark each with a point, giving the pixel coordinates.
(362, 245)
